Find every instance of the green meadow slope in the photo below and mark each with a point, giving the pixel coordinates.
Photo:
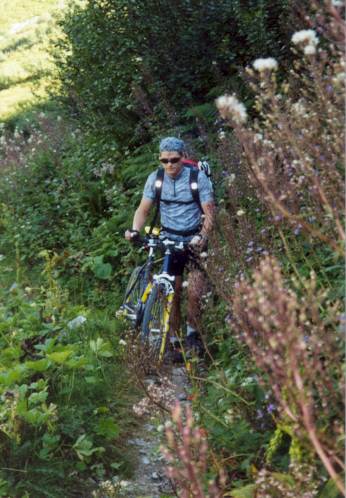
(25, 30)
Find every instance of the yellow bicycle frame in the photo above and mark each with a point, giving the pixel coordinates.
(166, 316)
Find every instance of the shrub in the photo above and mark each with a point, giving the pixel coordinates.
(128, 67)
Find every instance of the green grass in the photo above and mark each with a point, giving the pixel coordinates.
(25, 30)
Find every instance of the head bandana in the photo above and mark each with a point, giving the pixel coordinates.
(169, 144)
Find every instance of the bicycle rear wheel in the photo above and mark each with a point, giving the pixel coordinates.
(132, 305)
(153, 321)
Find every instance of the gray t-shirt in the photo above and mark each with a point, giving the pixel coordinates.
(182, 217)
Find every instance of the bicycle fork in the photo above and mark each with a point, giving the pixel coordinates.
(165, 320)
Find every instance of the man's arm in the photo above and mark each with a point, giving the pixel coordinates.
(140, 216)
(208, 212)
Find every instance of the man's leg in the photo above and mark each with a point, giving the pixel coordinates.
(175, 319)
(196, 288)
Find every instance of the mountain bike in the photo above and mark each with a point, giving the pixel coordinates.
(149, 296)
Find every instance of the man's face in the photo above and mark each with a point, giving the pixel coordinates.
(172, 162)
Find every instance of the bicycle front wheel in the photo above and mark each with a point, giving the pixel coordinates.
(153, 325)
(134, 290)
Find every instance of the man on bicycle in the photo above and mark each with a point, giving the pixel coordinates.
(184, 220)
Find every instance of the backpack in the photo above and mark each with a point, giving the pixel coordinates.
(195, 168)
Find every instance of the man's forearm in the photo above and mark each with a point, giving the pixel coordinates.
(139, 220)
(208, 212)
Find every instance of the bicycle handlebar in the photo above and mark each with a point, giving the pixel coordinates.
(161, 243)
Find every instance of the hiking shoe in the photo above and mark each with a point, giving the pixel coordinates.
(194, 346)
(174, 353)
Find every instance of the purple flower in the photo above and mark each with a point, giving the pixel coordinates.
(297, 230)
(271, 407)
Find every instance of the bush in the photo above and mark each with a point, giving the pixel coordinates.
(61, 381)
(128, 67)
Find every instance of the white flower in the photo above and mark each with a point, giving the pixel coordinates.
(307, 36)
(13, 287)
(230, 107)
(240, 212)
(203, 255)
(185, 283)
(124, 484)
(231, 179)
(309, 50)
(268, 64)
(76, 322)
(339, 79)
(122, 342)
(298, 108)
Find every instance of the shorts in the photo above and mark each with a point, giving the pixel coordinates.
(179, 260)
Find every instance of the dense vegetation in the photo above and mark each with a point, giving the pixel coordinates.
(73, 169)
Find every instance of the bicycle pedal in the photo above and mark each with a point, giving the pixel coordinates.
(127, 312)
(120, 313)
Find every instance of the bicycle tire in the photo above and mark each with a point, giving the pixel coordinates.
(152, 324)
(134, 290)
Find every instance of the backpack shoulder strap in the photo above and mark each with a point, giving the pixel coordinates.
(194, 186)
(160, 173)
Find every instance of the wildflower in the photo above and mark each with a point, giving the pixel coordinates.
(203, 255)
(271, 407)
(310, 50)
(76, 322)
(13, 287)
(231, 179)
(297, 229)
(307, 36)
(122, 342)
(240, 212)
(339, 79)
(124, 484)
(299, 108)
(230, 107)
(258, 137)
(268, 64)
(185, 283)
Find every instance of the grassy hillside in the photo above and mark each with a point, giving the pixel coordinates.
(25, 29)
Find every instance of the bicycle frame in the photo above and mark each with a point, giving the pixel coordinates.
(163, 280)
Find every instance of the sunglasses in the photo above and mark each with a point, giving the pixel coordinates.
(172, 160)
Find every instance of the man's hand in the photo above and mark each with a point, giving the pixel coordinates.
(131, 235)
(198, 242)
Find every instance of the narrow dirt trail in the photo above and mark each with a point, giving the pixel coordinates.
(149, 480)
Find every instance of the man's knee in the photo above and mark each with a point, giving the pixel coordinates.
(197, 285)
(177, 288)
